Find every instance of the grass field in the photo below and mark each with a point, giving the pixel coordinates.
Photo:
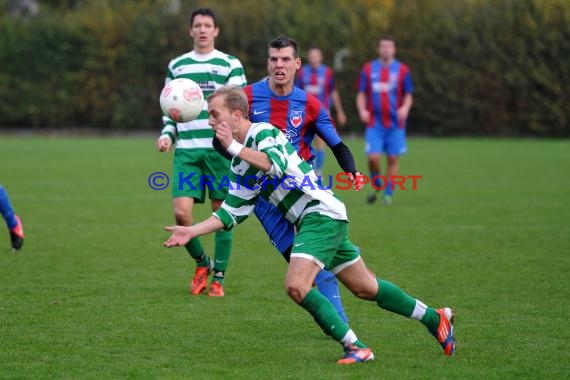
(94, 295)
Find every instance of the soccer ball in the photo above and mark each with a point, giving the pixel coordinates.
(181, 100)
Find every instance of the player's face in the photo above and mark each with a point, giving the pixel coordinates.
(387, 50)
(203, 31)
(218, 113)
(315, 57)
(282, 65)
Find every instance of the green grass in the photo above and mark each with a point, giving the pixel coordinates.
(94, 295)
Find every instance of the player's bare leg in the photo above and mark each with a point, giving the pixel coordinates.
(223, 250)
(183, 207)
(374, 169)
(390, 297)
(392, 171)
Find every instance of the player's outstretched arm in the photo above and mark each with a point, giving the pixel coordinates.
(182, 235)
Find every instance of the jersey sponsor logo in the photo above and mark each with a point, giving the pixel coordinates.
(296, 118)
(383, 86)
(256, 112)
(314, 89)
(207, 86)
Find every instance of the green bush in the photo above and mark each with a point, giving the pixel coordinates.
(480, 67)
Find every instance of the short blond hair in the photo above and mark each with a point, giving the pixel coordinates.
(234, 99)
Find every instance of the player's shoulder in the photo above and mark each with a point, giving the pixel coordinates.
(403, 66)
(180, 59)
(262, 131)
(230, 59)
(259, 88)
(312, 101)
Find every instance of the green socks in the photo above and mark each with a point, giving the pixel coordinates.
(328, 319)
(392, 298)
(196, 251)
(223, 250)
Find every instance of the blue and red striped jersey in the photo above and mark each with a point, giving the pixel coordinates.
(385, 87)
(318, 82)
(299, 115)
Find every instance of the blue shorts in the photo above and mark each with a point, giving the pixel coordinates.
(280, 231)
(390, 141)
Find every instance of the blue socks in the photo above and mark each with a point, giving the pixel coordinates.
(377, 183)
(328, 286)
(6, 209)
(389, 189)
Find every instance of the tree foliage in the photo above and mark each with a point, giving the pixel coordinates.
(488, 67)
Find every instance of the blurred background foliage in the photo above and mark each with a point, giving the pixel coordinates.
(480, 67)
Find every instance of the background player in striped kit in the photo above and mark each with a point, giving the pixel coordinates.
(384, 100)
(263, 159)
(301, 117)
(211, 69)
(318, 80)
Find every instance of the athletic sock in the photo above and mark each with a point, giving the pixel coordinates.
(6, 210)
(223, 250)
(328, 319)
(392, 298)
(319, 160)
(377, 183)
(196, 251)
(328, 286)
(218, 276)
(389, 191)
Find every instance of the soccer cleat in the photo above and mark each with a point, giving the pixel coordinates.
(17, 235)
(371, 198)
(444, 333)
(354, 354)
(387, 200)
(200, 280)
(216, 289)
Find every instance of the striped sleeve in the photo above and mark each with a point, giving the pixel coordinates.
(272, 142)
(236, 76)
(239, 202)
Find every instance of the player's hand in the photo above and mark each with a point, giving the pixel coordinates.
(341, 118)
(403, 113)
(224, 134)
(364, 116)
(180, 236)
(163, 144)
(357, 179)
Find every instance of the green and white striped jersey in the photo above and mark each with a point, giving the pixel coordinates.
(211, 71)
(291, 184)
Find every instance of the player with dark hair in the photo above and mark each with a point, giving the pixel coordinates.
(195, 158)
(301, 117)
(384, 100)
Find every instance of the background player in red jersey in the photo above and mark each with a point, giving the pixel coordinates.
(384, 100)
(318, 80)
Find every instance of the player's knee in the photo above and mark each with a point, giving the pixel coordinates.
(183, 217)
(392, 160)
(296, 292)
